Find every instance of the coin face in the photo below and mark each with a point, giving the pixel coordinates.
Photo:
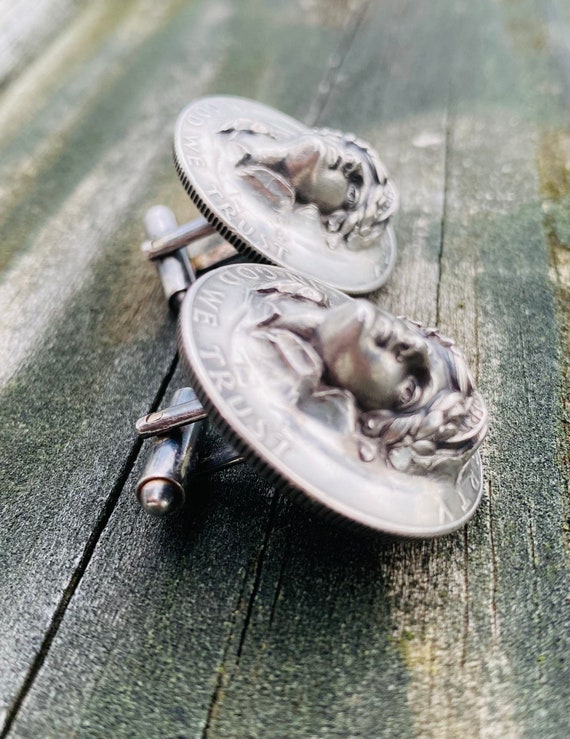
(313, 200)
(257, 342)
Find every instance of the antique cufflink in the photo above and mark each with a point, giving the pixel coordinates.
(365, 416)
(368, 418)
(309, 199)
(371, 419)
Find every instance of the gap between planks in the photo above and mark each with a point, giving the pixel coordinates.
(77, 576)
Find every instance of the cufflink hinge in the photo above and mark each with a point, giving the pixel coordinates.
(167, 246)
(173, 457)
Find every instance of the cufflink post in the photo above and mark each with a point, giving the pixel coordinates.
(167, 244)
(172, 457)
(173, 237)
(160, 489)
(176, 428)
(174, 269)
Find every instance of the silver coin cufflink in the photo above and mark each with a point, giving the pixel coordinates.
(309, 199)
(365, 417)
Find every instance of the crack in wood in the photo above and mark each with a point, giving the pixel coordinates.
(258, 572)
(529, 506)
(331, 75)
(75, 580)
(215, 700)
(494, 578)
(466, 613)
(444, 210)
(279, 585)
(535, 594)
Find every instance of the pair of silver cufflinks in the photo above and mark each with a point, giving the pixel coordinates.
(364, 416)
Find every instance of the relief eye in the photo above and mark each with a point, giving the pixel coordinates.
(353, 172)
(409, 392)
(351, 195)
(381, 336)
(410, 352)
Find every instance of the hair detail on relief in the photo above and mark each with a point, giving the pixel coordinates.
(447, 429)
(337, 173)
(415, 403)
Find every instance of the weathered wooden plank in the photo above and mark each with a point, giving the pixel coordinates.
(26, 27)
(436, 647)
(304, 630)
(85, 337)
(494, 269)
(93, 346)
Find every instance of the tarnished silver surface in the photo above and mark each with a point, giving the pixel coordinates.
(371, 416)
(175, 269)
(161, 487)
(313, 200)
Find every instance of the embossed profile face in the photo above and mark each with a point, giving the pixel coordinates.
(321, 172)
(411, 388)
(338, 174)
(315, 201)
(412, 385)
(378, 358)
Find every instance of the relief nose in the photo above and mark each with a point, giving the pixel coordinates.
(344, 325)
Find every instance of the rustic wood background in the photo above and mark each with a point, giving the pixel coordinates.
(243, 617)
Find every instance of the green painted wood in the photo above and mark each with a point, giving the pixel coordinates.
(244, 617)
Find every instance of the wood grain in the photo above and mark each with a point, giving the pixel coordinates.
(244, 617)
